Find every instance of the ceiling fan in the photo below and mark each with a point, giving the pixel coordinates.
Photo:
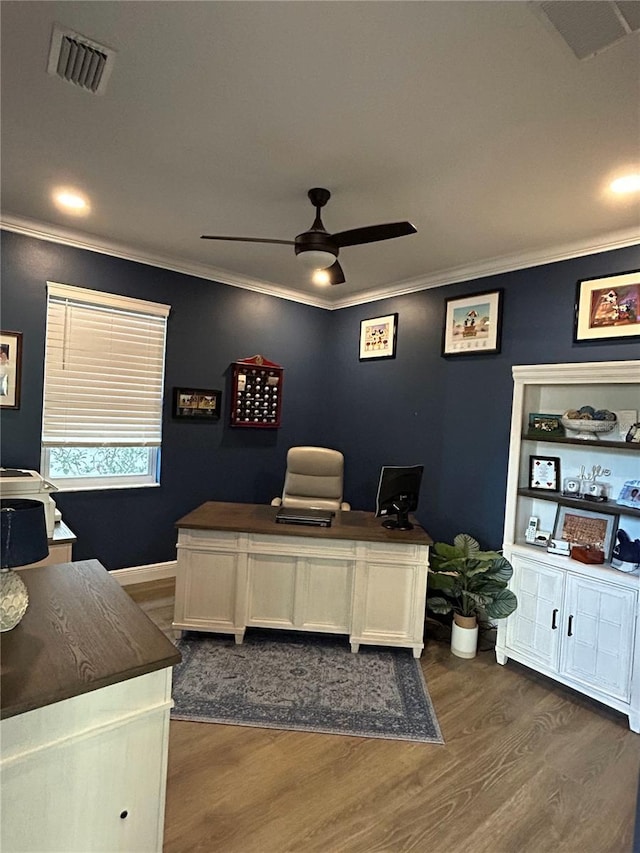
(318, 250)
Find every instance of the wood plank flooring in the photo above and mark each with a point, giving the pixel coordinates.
(528, 767)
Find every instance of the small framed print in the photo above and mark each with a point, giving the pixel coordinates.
(10, 369)
(472, 324)
(608, 308)
(581, 527)
(544, 426)
(196, 404)
(378, 337)
(544, 473)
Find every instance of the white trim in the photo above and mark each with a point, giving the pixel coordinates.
(454, 275)
(110, 300)
(144, 574)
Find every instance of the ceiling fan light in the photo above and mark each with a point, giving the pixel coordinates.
(316, 260)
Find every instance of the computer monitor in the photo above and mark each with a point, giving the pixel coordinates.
(398, 492)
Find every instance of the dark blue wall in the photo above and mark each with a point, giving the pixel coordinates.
(452, 415)
(210, 326)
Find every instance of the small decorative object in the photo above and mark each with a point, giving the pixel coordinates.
(591, 488)
(544, 473)
(587, 554)
(626, 419)
(588, 422)
(572, 487)
(473, 585)
(559, 546)
(23, 541)
(595, 492)
(256, 394)
(472, 324)
(634, 433)
(608, 308)
(10, 369)
(378, 337)
(626, 553)
(545, 426)
(196, 404)
(584, 527)
(630, 494)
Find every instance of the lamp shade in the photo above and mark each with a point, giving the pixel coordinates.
(23, 532)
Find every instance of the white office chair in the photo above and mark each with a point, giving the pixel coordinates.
(313, 479)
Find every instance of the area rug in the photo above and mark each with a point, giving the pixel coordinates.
(303, 682)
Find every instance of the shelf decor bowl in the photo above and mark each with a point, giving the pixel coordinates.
(587, 429)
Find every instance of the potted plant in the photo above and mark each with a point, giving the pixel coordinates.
(471, 583)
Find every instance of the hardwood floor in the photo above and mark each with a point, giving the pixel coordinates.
(528, 766)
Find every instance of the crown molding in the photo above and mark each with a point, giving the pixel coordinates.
(497, 266)
(454, 275)
(92, 243)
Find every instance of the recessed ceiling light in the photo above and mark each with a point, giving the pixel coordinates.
(71, 201)
(626, 184)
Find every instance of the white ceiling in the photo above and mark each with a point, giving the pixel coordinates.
(473, 120)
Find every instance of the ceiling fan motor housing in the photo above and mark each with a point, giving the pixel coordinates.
(315, 241)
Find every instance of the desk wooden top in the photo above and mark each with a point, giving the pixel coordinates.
(81, 632)
(261, 518)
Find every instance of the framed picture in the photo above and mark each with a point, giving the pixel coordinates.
(608, 309)
(544, 426)
(472, 324)
(582, 527)
(544, 473)
(630, 494)
(10, 369)
(196, 404)
(378, 337)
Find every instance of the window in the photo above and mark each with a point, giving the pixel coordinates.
(103, 388)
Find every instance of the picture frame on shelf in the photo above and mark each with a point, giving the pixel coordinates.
(378, 336)
(630, 494)
(544, 473)
(607, 308)
(196, 404)
(473, 324)
(585, 527)
(545, 426)
(10, 369)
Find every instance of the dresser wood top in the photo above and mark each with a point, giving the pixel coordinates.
(261, 518)
(81, 632)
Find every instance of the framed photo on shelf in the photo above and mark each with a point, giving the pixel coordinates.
(472, 324)
(196, 404)
(608, 308)
(544, 473)
(544, 426)
(582, 527)
(378, 337)
(10, 369)
(630, 494)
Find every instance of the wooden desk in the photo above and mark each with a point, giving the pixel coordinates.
(85, 697)
(237, 567)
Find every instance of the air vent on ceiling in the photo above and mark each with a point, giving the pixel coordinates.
(79, 60)
(590, 26)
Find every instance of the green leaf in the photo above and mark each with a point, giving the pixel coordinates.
(439, 605)
(466, 544)
(502, 604)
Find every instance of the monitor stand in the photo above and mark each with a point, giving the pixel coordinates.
(402, 521)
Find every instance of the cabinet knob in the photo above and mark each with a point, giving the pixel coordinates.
(124, 814)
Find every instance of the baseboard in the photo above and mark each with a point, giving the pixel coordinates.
(144, 574)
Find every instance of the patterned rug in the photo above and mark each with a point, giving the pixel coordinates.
(305, 682)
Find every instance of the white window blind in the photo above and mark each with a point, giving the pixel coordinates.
(104, 369)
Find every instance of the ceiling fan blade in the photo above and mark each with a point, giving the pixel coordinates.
(373, 233)
(248, 239)
(336, 276)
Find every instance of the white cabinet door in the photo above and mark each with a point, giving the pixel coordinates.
(598, 635)
(207, 590)
(534, 629)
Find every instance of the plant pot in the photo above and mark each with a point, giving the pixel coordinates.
(464, 636)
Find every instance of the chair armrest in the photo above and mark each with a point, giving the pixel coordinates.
(276, 502)
(345, 506)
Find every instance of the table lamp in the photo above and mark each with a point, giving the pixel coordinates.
(23, 540)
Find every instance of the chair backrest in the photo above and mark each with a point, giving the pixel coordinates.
(314, 478)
